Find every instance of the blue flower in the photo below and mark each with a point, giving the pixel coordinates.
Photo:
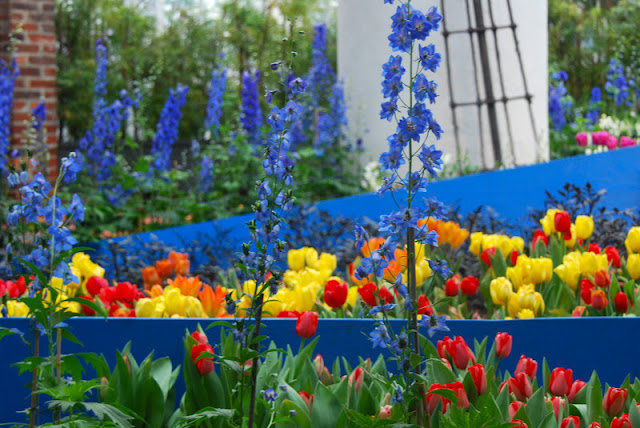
(389, 109)
(206, 174)
(217, 86)
(76, 208)
(251, 116)
(410, 128)
(381, 308)
(423, 89)
(419, 27)
(380, 337)
(167, 127)
(434, 324)
(276, 119)
(441, 268)
(398, 396)
(429, 59)
(270, 395)
(297, 85)
(393, 68)
(431, 159)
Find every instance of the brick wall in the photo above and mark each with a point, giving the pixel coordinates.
(36, 51)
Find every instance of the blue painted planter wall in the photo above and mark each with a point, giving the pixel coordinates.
(511, 193)
(605, 344)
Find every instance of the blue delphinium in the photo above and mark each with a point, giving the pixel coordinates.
(8, 75)
(167, 128)
(617, 85)
(321, 75)
(593, 109)
(560, 101)
(217, 86)
(251, 116)
(206, 175)
(407, 147)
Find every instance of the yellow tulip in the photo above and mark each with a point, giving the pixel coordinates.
(193, 308)
(549, 222)
(476, 243)
(526, 313)
(588, 263)
(311, 257)
(570, 243)
(16, 309)
(584, 226)
(145, 308)
(514, 274)
(174, 301)
(352, 295)
(541, 270)
(512, 305)
(569, 273)
(633, 240)
(517, 243)
(296, 259)
(633, 265)
(423, 271)
(327, 262)
(500, 289)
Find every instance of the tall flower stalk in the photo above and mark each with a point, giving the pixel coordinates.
(407, 95)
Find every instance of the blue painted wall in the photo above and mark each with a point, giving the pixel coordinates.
(511, 193)
(605, 344)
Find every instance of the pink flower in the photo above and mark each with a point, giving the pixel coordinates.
(627, 142)
(582, 138)
(600, 138)
(612, 142)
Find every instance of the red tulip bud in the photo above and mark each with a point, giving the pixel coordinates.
(514, 407)
(575, 388)
(307, 324)
(385, 412)
(560, 381)
(622, 302)
(599, 300)
(503, 345)
(601, 278)
(528, 366)
(452, 286)
(479, 377)
(614, 401)
(487, 254)
(356, 378)
(469, 285)
(570, 422)
(562, 222)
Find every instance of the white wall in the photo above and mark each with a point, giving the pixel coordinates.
(363, 27)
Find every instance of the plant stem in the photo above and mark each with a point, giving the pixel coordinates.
(256, 359)
(58, 365)
(34, 380)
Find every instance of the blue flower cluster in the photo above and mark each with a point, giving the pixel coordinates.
(617, 84)
(36, 203)
(330, 124)
(97, 143)
(39, 115)
(8, 75)
(206, 174)
(321, 75)
(167, 127)
(217, 86)
(593, 109)
(560, 101)
(414, 124)
(251, 117)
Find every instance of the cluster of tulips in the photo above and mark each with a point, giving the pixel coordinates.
(603, 139)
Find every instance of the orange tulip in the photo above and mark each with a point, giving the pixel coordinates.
(213, 301)
(175, 257)
(188, 286)
(164, 268)
(392, 270)
(150, 277)
(156, 291)
(182, 267)
(371, 245)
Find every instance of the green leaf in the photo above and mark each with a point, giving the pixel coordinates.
(595, 410)
(535, 408)
(205, 414)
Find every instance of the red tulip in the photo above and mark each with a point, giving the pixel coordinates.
(452, 286)
(514, 407)
(203, 365)
(125, 292)
(318, 363)
(503, 345)
(86, 309)
(560, 381)
(519, 386)
(335, 293)
(356, 378)
(621, 422)
(514, 257)
(307, 324)
(289, 314)
(424, 305)
(576, 387)
(595, 425)
(433, 398)
(200, 337)
(457, 351)
(526, 365)
(518, 424)
(578, 311)
(614, 401)
(539, 235)
(562, 222)
(599, 300)
(469, 285)
(613, 255)
(370, 294)
(308, 399)
(95, 284)
(594, 248)
(601, 278)
(570, 422)
(487, 254)
(556, 402)
(479, 377)
(585, 290)
(622, 302)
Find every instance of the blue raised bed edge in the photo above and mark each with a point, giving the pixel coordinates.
(511, 193)
(586, 344)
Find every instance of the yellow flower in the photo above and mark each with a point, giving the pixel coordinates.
(423, 271)
(311, 257)
(476, 243)
(514, 274)
(82, 266)
(352, 295)
(148, 308)
(517, 243)
(512, 305)
(16, 309)
(525, 313)
(327, 262)
(500, 289)
(193, 308)
(569, 273)
(549, 222)
(541, 270)
(588, 263)
(175, 302)
(633, 265)
(584, 226)
(633, 240)
(571, 242)
(296, 259)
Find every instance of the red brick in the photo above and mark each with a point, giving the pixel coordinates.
(49, 48)
(30, 71)
(39, 83)
(44, 60)
(26, 47)
(30, 26)
(50, 72)
(40, 38)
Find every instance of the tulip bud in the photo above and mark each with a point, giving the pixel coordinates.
(601, 278)
(385, 412)
(570, 422)
(578, 311)
(318, 362)
(356, 378)
(556, 403)
(614, 400)
(308, 399)
(595, 425)
(518, 424)
(469, 285)
(200, 337)
(575, 388)
(307, 324)
(104, 388)
(539, 236)
(452, 286)
(585, 290)
(529, 366)
(599, 300)
(125, 357)
(622, 302)
(487, 255)
(613, 256)
(622, 421)
(514, 407)
(562, 222)
(504, 341)
(560, 381)
(479, 377)
(326, 377)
